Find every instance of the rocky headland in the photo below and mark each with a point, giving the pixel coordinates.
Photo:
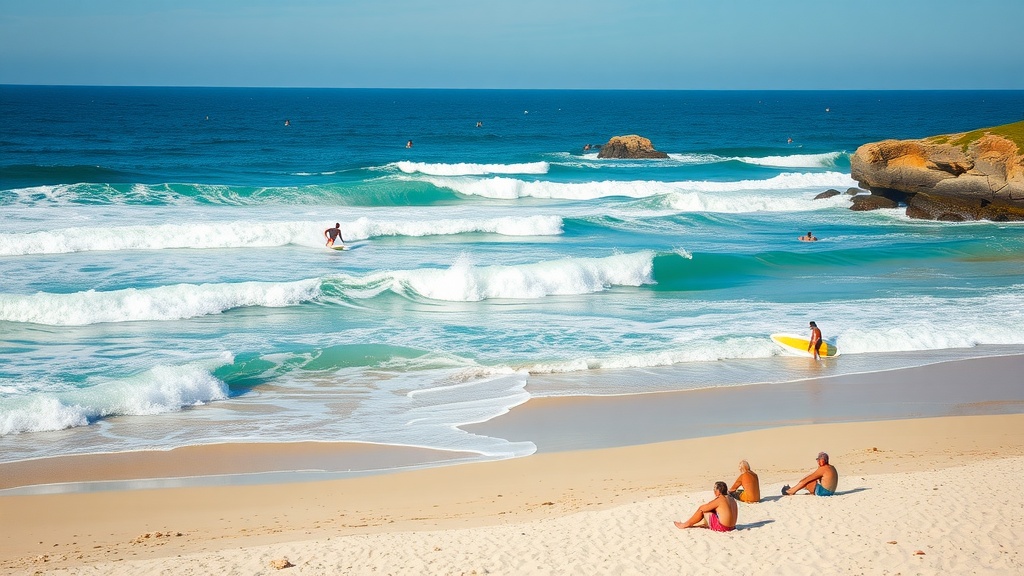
(976, 175)
(631, 146)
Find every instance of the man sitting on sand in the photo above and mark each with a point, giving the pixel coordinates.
(749, 489)
(721, 513)
(821, 482)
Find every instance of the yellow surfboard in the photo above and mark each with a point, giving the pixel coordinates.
(799, 345)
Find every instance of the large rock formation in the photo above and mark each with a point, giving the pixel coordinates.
(976, 175)
(631, 146)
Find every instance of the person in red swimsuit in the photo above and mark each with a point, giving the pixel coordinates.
(719, 515)
(815, 341)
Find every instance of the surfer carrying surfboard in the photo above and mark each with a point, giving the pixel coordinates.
(333, 234)
(815, 341)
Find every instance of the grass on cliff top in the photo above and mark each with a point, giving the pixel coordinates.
(1012, 132)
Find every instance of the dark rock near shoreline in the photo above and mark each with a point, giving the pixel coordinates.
(976, 175)
(827, 194)
(631, 146)
(865, 202)
(854, 191)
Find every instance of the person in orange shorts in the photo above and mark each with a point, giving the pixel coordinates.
(746, 488)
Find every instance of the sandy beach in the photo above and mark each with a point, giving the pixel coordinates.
(915, 497)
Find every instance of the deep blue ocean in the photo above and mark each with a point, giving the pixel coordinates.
(164, 279)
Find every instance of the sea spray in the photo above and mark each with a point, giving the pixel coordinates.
(213, 235)
(158, 390)
(161, 303)
(510, 188)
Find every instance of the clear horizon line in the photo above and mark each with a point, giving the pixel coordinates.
(494, 89)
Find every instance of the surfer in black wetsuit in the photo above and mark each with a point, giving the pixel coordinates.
(333, 234)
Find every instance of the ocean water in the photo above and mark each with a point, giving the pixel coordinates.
(164, 280)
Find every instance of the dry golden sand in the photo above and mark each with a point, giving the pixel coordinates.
(946, 487)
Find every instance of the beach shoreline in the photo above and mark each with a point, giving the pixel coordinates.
(555, 424)
(242, 516)
(204, 523)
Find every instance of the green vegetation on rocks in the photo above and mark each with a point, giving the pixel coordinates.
(1013, 132)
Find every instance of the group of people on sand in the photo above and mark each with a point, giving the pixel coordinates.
(722, 513)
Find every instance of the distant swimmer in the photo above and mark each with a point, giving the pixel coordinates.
(408, 144)
(287, 122)
(333, 234)
(479, 124)
(587, 147)
(809, 238)
(789, 140)
(815, 341)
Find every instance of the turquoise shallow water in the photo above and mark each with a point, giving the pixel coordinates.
(164, 279)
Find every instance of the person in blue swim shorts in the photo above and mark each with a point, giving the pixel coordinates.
(821, 482)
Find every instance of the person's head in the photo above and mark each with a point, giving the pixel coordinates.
(809, 234)
(720, 488)
(822, 458)
(337, 224)
(744, 467)
(813, 325)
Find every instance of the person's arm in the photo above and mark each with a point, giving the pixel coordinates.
(737, 483)
(699, 514)
(808, 480)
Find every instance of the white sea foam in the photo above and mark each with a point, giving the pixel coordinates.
(463, 169)
(510, 188)
(823, 160)
(158, 390)
(707, 351)
(258, 234)
(826, 160)
(674, 160)
(364, 228)
(466, 282)
(161, 303)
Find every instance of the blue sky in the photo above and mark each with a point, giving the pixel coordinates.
(589, 44)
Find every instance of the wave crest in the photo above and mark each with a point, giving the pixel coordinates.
(468, 169)
(510, 188)
(161, 303)
(258, 234)
(466, 282)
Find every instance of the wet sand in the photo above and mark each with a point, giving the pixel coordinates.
(657, 458)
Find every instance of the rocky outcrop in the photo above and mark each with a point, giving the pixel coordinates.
(631, 146)
(971, 176)
(866, 202)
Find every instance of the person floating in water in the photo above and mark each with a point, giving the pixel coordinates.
(587, 147)
(333, 234)
(408, 144)
(815, 342)
(789, 140)
(287, 122)
(809, 238)
(479, 124)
